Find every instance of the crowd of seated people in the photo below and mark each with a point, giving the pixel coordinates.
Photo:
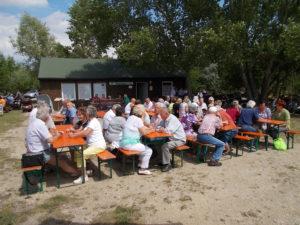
(124, 127)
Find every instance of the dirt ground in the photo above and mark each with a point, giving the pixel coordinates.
(261, 187)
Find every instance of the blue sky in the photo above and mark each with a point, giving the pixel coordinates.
(51, 12)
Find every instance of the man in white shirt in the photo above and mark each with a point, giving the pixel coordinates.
(172, 125)
(129, 106)
(32, 116)
(108, 116)
(38, 140)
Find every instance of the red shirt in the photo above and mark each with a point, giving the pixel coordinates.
(233, 113)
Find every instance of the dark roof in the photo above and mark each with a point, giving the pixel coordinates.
(80, 69)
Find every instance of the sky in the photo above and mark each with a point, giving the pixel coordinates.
(52, 12)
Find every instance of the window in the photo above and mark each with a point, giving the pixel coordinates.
(84, 91)
(68, 91)
(100, 89)
(167, 87)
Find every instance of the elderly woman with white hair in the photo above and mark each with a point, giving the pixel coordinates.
(131, 140)
(38, 140)
(248, 117)
(211, 122)
(94, 137)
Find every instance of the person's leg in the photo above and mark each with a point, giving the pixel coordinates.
(145, 155)
(65, 166)
(248, 128)
(209, 139)
(165, 151)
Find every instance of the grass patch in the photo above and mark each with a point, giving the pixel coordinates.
(54, 202)
(121, 215)
(10, 120)
(124, 215)
(7, 216)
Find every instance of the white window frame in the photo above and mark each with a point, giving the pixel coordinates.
(62, 92)
(84, 85)
(162, 85)
(99, 95)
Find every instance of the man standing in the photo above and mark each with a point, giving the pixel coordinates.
(172, 125)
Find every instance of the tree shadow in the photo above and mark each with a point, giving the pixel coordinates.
(53, 221)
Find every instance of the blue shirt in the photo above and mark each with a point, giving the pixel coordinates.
(247, 117)
(265, 114)
(70, 115)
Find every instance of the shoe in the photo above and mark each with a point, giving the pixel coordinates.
(80, 179)
(214, 163)
(166, 168)
(144, 172)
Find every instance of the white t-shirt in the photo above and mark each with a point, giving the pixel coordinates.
(32, 116)
(37, 136)
(109, 115)
(96, 138)
(128, 108)
(132, 126)
(203, 106)
(149, 105)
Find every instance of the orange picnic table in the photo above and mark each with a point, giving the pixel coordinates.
(156, 137)
(65, 142)
(151, 113)
(228, 127)
(272, 122)
(100, 114)
(58, 118)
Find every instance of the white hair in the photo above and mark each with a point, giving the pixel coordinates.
(91, 111)
(42, 112)
(213, 109)
(251, 104)
(138, 110)
(159, 104)
(115, 106)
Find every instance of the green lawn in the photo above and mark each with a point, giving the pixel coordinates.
(10, 120)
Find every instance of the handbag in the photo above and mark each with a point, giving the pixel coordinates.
(32, 160)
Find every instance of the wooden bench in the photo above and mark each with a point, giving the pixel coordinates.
(33, 170)
(257, 136)
(180, 149)
(105, 156)
(290, 135)
(241, 139)
(200, 148)
(128, 154)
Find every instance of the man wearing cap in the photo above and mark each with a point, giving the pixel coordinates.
(207, 130)
(211, 101)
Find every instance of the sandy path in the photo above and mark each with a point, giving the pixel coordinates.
(257, 188)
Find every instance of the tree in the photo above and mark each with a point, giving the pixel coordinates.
(34, 41)
(251, 43)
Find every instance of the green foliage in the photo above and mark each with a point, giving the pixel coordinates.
(34, 41)
(139, 50)
(15, 77)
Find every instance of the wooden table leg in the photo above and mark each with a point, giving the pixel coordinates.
(57, 169)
